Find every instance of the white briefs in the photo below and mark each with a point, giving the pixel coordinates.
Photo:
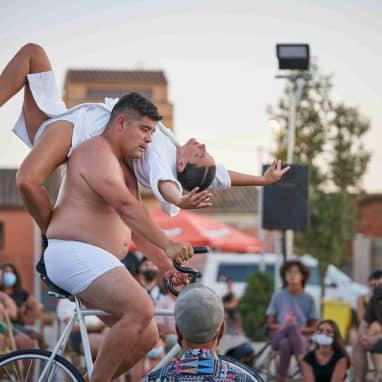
(74, 265)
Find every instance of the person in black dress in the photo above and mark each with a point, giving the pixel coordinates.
(328, 361)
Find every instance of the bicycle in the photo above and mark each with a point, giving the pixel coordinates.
(35, 365)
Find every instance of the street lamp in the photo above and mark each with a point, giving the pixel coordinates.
(293, 56)
(296, 59)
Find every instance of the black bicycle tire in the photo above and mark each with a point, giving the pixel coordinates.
(252, 372)
(44, 354)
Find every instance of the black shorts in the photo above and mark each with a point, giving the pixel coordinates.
(377, 348)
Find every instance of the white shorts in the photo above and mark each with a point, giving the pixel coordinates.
(88, 119)
(74, 265)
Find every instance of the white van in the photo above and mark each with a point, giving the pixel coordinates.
(238, 267)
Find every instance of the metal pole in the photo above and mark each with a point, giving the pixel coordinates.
(36, 257)
(260, 206)
(291, 144)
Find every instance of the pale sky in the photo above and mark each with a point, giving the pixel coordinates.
(218, 56)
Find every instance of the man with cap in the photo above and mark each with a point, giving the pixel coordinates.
(199, 316)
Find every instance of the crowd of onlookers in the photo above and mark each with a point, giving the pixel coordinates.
(292, 326)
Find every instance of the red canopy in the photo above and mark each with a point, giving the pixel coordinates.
(200, 230)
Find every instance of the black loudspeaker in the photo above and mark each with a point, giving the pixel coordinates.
(285, 203)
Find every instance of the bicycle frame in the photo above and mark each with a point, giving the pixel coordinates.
(79, 317)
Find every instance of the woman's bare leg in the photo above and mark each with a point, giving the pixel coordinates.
(31, 58)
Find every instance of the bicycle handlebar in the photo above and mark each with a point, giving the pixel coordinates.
(191, 272)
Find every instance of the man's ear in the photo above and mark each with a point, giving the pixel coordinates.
(221, 330)
(121, 119)
(180, 165)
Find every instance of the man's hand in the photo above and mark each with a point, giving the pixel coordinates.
(274, 172)
(179, 251)
(195, 199)
(178, 278)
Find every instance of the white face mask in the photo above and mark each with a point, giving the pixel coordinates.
(323, 339)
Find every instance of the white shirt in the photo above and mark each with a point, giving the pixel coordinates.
(158, 163)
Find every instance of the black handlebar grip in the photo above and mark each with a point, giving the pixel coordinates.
(201, 249)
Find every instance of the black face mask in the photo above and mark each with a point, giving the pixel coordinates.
(149, 274)
(377, 293)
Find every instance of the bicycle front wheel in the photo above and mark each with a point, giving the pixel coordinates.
(28, 366)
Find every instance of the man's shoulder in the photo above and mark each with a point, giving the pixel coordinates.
(96, 145)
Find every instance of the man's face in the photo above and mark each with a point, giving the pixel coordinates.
(195, 152)
(137, 135)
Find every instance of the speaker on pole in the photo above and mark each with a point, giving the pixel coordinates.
(285, 203)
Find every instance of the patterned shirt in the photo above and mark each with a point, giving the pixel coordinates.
(199, 365)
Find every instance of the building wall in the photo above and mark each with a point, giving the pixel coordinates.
(370, 218)
(80, 92)
(18, 243)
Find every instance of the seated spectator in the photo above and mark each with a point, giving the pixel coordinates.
(369, 337)
(155, 355)
(8, 307)
(375, 327)
(329, 360)
(291, 316)
(148, 277)
(29, 310)
(199, 316)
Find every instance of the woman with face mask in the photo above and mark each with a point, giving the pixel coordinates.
(329, 360)
(28, 308)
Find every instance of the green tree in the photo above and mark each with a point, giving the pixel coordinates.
(328, 140)
(253, 304)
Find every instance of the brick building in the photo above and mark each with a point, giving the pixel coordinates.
(20, 241)
(94, 85)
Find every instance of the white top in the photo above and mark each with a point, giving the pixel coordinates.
(158, 161)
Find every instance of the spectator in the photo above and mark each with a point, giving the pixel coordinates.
(147, 276)
(29, 310)
(329, 360)
(369, 337)
(8, 306)
(291, 316)
(199, 316)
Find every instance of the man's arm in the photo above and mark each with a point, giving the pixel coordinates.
(103, 173)
(49, 153)
(273, 174)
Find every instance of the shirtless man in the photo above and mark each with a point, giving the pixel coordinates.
(89, 232)
(52, 132)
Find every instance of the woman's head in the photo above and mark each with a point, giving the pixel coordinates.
(328, 334)
(195, 167)
(10, 277)
(294, 272)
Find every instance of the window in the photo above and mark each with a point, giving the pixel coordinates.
(240, 272)
(1, 235)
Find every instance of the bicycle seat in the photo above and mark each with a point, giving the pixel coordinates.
(56, 291)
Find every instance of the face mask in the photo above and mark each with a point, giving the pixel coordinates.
(377, 293)
(149, 274)
(9, 279)
(155, 352)
(323, 339)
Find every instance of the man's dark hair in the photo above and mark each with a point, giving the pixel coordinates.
(196, 176)
(136, 103)
(375, 275)
(305, 271)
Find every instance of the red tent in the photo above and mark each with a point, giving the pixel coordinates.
(200, 230)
